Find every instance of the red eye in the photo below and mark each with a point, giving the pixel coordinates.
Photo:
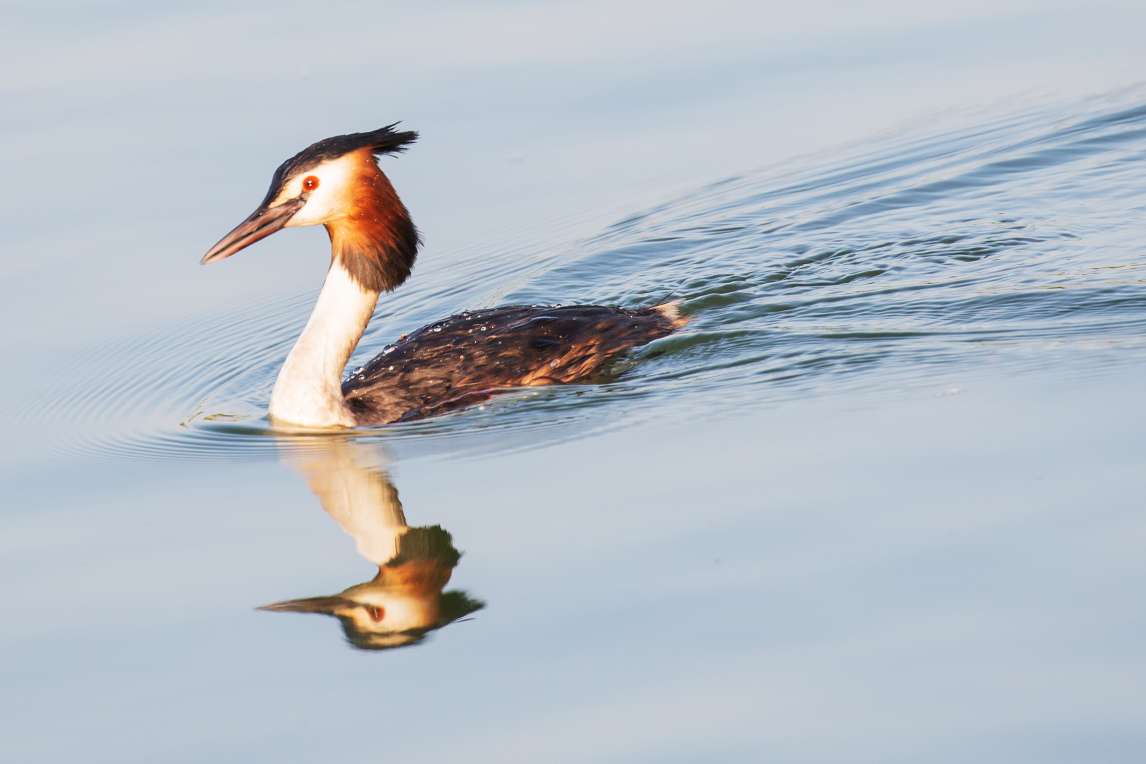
(376, 613)
(309, 183)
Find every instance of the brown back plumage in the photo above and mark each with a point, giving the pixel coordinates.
(468, 357)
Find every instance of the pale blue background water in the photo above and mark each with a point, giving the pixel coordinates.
(771, 542)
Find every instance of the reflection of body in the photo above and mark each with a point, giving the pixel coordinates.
(405, 600)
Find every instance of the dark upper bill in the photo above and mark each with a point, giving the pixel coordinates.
(260, 224)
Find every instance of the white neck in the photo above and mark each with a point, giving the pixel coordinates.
(308, 391)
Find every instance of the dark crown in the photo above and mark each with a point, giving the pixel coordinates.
(384, 140)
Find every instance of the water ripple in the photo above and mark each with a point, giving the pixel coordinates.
(1011, 243)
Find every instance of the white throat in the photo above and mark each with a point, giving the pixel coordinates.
(308, 391)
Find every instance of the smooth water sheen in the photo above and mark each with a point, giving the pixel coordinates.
(881, 500)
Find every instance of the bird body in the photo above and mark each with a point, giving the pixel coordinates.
(469, 357)
(446, 365)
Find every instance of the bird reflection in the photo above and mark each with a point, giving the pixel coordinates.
(405, 601)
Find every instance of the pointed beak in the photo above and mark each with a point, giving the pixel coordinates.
(259, 225)
(324, 605)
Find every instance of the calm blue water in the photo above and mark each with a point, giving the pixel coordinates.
(881, 500)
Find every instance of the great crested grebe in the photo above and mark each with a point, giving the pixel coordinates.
(451, 363)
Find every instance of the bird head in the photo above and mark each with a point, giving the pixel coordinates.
(337, 183)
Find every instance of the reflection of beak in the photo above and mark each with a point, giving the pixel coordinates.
(324, 605)
(262, 223)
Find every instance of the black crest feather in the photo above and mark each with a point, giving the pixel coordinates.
(384, 140)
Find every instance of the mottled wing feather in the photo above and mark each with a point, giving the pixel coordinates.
(467, 358)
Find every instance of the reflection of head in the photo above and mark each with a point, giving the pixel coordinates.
(404, 602)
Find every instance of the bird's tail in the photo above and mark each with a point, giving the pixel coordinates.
(671, 311)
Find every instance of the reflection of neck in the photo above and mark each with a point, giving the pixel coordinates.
(360, 498)
(308, 390)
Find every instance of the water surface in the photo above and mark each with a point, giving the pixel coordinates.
(879, 501)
